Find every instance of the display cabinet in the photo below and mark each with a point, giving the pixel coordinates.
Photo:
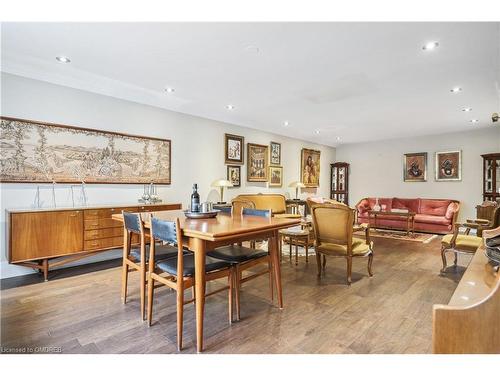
(339, 182)
(491, 177)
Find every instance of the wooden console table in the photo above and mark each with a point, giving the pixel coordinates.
(39, 235)
(470, 321)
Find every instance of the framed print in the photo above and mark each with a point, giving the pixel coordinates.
(275, 176)
(257, 166)
(310, 167)
(41, 152)
(234, 175)
(449, 165)
(234, 147)
(415, 167)
(275, 153)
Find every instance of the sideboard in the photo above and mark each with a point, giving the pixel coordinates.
(38, 236)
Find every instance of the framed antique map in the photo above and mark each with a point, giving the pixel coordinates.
(32, 151)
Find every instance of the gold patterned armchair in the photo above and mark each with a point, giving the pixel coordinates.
(333, 228)
(459, 243)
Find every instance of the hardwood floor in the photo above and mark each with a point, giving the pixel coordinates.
(388, 313)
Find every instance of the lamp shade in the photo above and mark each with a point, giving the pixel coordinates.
(296, 184)
(222, 183)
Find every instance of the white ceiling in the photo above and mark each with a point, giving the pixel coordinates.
(357, 81)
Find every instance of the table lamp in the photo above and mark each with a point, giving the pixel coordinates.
(221, 184)
(296, 185)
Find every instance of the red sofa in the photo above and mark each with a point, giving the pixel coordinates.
(431, 215)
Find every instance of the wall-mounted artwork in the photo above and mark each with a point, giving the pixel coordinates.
(310, 167)
(234, 175)
(275, 176)
(43, 152)
(415, 167)
(257, 167)
(449, 166)
(275, 153)
(234, 149)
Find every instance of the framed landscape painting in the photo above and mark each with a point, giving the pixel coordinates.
(257, 167)
(40, 152)
(415, 167)
(449, 166)
(234, 175)
(275, 153)
(310, 167)
(275, 176)
(234, 147)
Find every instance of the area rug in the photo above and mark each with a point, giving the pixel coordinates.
(400, 235)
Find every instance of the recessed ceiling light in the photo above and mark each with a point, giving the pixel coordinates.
(317, 132)
(456, 89)
(430, 46)
(63, 59)
(230, 107)
(252, 49)
(474, 121)
(169, 89)
(466, 109)
(286, 123)
(338, 138)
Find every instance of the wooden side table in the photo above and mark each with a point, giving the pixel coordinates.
(299, 237)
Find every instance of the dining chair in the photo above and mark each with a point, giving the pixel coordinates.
(178, 272)
(243, 258)
(459, 243)
(135, 257)
(333, 227)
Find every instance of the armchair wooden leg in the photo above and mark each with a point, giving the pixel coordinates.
(324, 261)
(349, 270)
(180, 317)
(443, 257)
(307, 252)
(151, 287)
(318, 262)
(456, 259)
(290, 242)
(370, 261)
(124, 282)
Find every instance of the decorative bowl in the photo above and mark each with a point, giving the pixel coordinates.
(201, 215)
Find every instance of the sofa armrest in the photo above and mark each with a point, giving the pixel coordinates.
(362, 206)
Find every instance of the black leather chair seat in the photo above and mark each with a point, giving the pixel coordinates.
(170, 265)
(237, 254)
(161, 252)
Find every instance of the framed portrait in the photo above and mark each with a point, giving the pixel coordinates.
(415, 167)
(234, 175)
(449, 166)
(310, 167)
(275, 176)
(258, 163)
(234, 149)
(275, 153)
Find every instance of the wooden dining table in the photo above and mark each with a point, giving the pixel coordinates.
(203, 235)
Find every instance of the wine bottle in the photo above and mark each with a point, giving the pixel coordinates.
(195, 199)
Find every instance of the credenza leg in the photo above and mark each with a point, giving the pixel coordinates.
(45, 269)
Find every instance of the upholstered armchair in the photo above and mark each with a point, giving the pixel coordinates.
(333, 228)
(459, 243)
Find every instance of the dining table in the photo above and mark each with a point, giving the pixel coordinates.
(204, 235)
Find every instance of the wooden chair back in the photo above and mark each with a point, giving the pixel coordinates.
(239, 204)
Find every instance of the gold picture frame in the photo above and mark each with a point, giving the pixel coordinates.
(258, 162)
(448, 165)
(310, 167)
(275, 176)
(415, 167)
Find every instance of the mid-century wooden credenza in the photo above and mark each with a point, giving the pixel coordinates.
(39, 235)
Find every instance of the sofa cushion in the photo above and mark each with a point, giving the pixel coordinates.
(434, 207)
(431, 219)
(409, 204)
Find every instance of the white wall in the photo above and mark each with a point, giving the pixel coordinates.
(376, 168)
(197, 147)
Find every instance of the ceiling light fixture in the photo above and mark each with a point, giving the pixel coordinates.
(63, 59)
(252, 49)
(317, 132)
(467, 109)
(456, 89)
(169, 89)
(230, 107)
(430, 46)
(338, 138)
(474, 121)
(286, 123)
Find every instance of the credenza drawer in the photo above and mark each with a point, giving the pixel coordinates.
(104, 213)
(103, 233)
(101, 223)
(103, 243)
